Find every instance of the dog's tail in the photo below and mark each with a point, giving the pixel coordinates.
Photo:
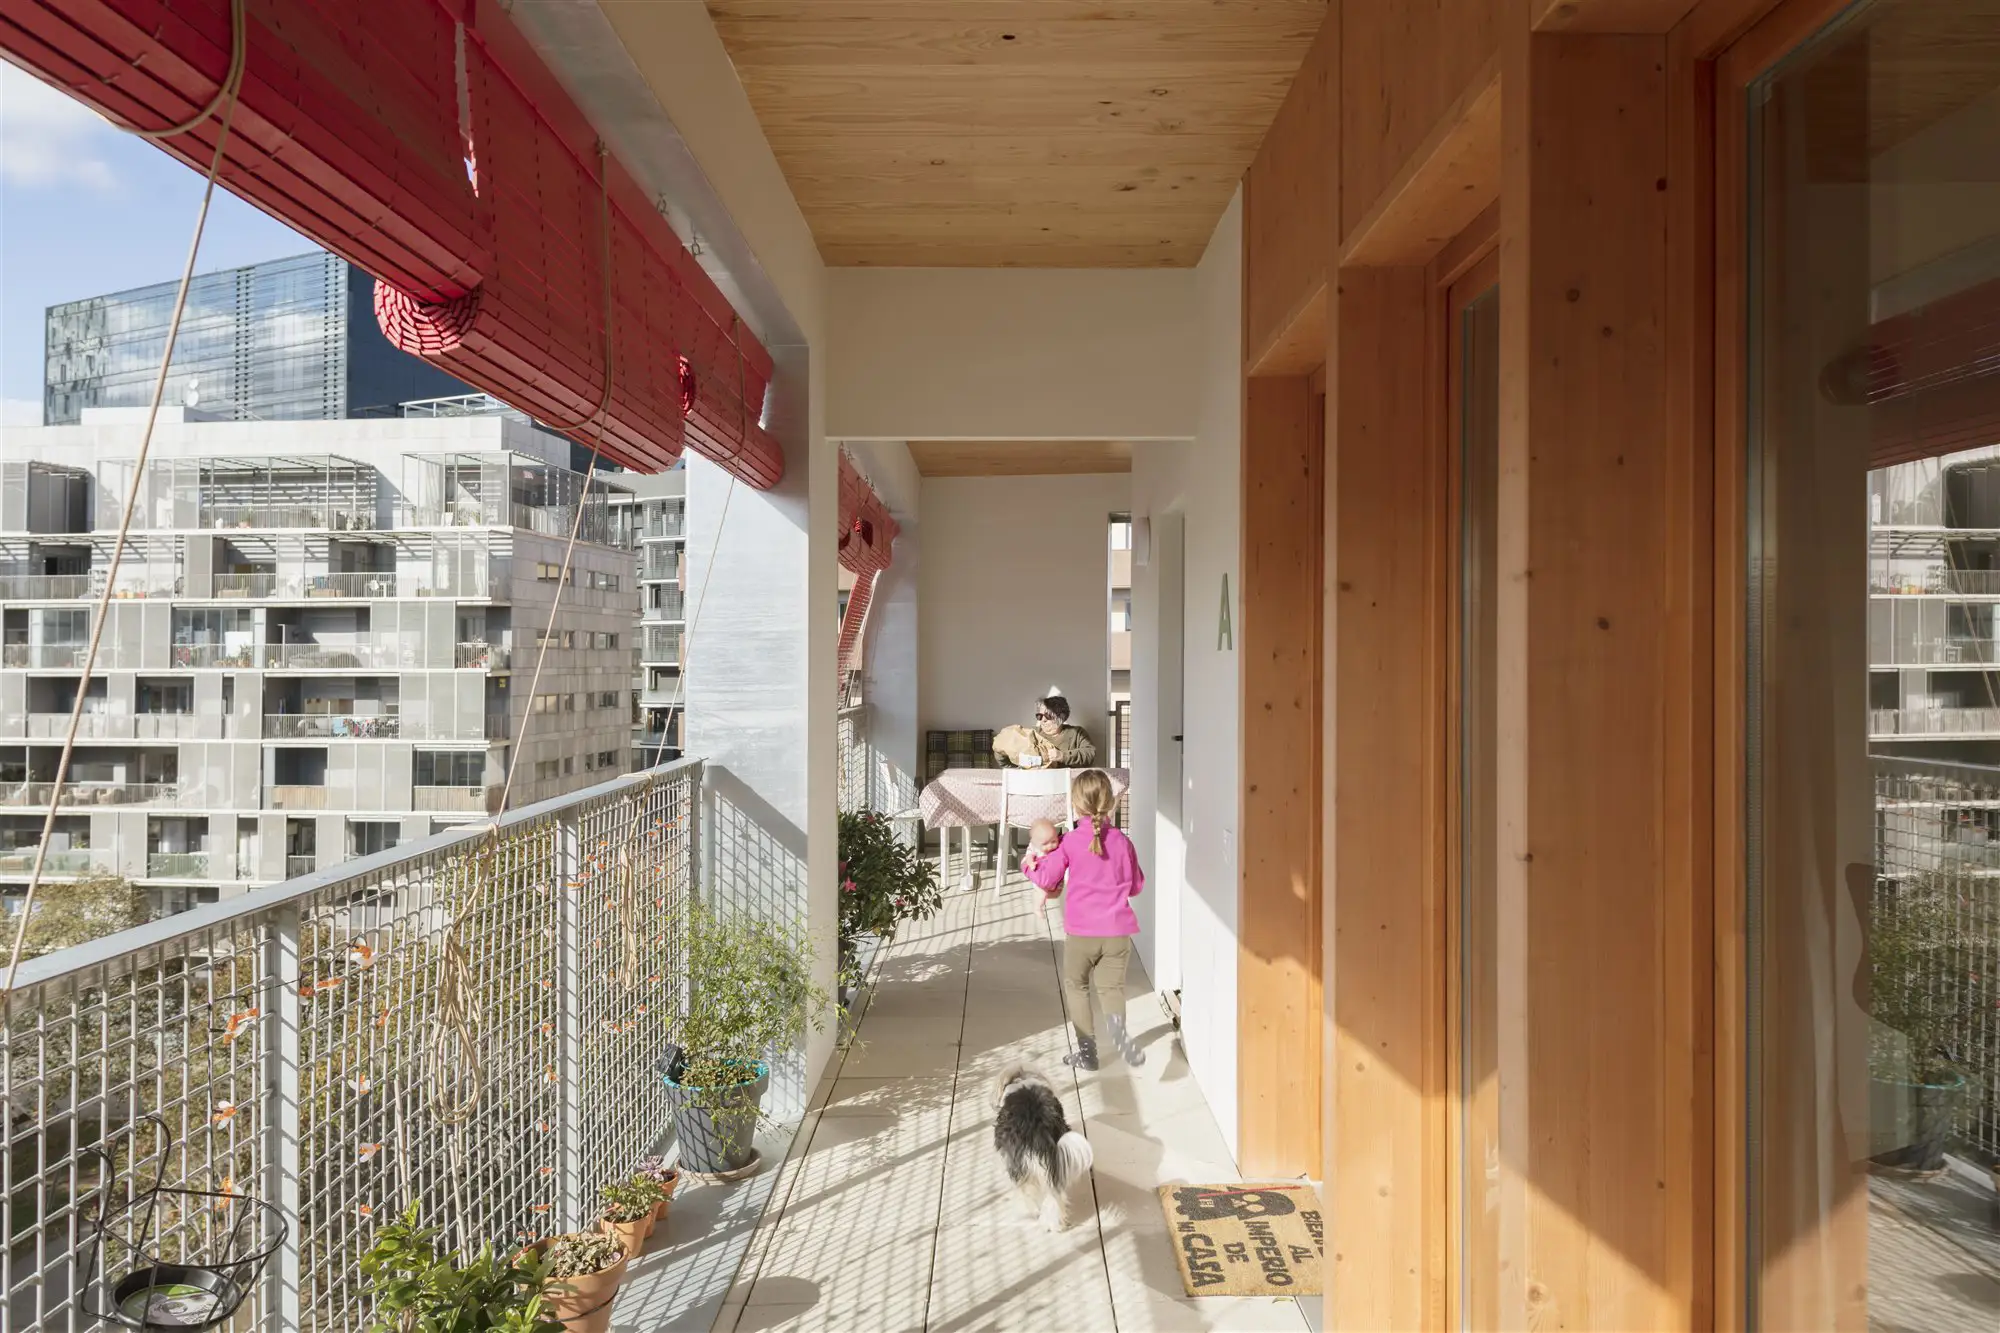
(1073, 1158)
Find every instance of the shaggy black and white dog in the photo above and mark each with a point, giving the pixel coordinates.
(1043, 1156)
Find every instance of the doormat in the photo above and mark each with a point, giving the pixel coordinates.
(1246, 1240)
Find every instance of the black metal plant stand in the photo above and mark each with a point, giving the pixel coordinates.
(217, 1266)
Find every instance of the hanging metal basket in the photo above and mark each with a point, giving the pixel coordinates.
(192, 1271)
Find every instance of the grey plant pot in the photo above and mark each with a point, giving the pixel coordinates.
(1914, 1121)
(717, 1138)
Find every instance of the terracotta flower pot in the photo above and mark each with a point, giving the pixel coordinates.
(583, 1303)
(659, 1218)
(629, 1235)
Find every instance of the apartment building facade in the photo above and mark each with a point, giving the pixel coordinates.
(322, 641)
(1933, 594)
(650, 517)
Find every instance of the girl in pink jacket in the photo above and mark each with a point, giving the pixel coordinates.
(1098, 924)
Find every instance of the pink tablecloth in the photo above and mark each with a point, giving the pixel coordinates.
(966, 797)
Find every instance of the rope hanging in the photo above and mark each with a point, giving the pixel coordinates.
(224, 103)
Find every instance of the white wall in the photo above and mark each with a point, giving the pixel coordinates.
(924, 354)
(1015, 590)
(1202, 482)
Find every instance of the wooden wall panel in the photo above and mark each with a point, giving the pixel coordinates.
(1597, 1078)
(1386, 1159)
(1402, 66)
(1289, 209)
(1278, 969)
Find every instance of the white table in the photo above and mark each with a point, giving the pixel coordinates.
(960, 798)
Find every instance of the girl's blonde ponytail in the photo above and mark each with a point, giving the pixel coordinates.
(1092, 796)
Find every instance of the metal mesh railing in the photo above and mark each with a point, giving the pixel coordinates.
(1938, 836)
(470, 1022)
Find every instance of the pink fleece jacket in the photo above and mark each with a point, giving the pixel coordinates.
(1098, 902)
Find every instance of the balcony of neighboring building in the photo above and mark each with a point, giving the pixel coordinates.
(99, 775)
(507, 490)
(70, 852)
(322, 491)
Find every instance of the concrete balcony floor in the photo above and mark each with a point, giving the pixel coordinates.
(893, 1214)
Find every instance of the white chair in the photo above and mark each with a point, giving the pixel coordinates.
(1036, 782)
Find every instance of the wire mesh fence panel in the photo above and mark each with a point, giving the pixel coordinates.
(469, 1024)
(1935, 931)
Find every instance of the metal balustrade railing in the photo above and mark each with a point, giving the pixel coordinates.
(299, 1041)
(1886, 723)
(1938, 827)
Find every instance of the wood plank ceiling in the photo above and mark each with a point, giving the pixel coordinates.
(996, 133)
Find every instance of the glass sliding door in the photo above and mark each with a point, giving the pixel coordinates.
(1473, 312)
(1872, 656)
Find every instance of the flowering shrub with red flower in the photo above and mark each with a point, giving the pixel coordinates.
(883, 881)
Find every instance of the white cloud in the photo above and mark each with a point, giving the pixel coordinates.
(48, 138)
(20, 411)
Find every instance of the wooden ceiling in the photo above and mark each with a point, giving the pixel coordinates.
(996, 133)
(1020, 458)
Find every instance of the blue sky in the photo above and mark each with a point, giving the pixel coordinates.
(85, 209)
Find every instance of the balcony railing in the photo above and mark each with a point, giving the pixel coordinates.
(1887, 723)
(72, 861)
(212, 655)
(484, 656)
(672, 608)
(177, 865)
(356, 653)
(456, 800)
(1936, 831)
(300, 1038)
(1938, 581)
(335, 517)
(29, 587)
(48, 656)
(295, 797)
(332, 726)
(91, 793)
(300, 865)
(1943, 650)
(246, 585)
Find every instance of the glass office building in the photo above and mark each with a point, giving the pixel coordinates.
(288, 340)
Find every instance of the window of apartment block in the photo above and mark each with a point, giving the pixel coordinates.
(556, 638)
(553, 703)
(366, 837)
(607, 759)
(548, 573)
(449, 768)
(598, 639)
(604, 699)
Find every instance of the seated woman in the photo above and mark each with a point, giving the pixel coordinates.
(1051, 743)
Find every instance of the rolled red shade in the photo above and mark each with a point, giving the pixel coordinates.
(427, 144)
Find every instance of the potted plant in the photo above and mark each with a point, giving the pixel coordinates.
(1921, 998)
(665, 1179)
(417, 1286)
(628, 1213)
(580, 1275)
(883, 883)
(749, 991)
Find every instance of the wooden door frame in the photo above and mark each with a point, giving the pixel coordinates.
(1749, 54)
(1465, 270)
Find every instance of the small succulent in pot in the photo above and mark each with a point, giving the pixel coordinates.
(580, 1254)
(655, 1169)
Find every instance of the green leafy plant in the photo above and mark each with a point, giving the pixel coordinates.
(1920, 984)
(80, 910)
(883, 881)
(419, 1286)
(579, 1254)
(630, 1200)
(749, 990)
